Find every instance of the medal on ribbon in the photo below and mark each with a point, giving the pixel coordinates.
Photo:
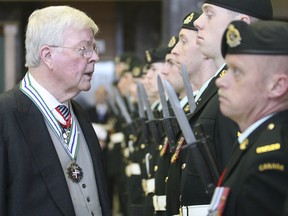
(74, 172)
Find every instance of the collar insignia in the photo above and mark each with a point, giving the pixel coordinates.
(244, 144)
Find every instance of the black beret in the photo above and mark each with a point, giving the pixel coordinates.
(156, 55)
(135, 67)
(124, 57)
(261, 9)
(260, 38)
(188, 21)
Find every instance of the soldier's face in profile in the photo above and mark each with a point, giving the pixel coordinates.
(243, 89)
(211, 25)
(172, 72)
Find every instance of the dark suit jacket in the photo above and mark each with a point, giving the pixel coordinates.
(257, 175)
(31, 177)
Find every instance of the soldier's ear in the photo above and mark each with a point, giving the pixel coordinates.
(279, 85)
(245, 18)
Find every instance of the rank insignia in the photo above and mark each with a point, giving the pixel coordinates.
(268, 148)
(233, 37)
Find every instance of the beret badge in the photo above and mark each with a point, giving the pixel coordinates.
(172, 42)
(148, 56)
(136, 71)
(188, 18)
(233, 37)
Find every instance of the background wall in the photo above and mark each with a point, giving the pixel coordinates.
(125, 25)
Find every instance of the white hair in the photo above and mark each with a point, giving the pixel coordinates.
(46, 27)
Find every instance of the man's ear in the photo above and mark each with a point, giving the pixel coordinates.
(245, 18)
(279, 85)
(46, 57)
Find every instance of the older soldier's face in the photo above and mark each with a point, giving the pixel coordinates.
(243, 89)
(73, 68)
(211, 26)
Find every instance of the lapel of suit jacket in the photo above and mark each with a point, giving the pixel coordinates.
(42, 148)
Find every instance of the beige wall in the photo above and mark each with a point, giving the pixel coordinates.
(280, 9)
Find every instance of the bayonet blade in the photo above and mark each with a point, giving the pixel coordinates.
(146, 102)
(111, 101)
(140, 102)
(122, 107)
(188, 88)
(163, 100)
(130, 104)
(180, 115)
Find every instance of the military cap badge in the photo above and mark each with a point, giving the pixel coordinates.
(172, 42)
(136, 71)
(188, 18)
(148, 56)
(233, 37)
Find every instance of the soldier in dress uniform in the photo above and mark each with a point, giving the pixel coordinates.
(186, 53)
(163, 154)
(254, 182)
(222, 131)
(127, 66)
(121, 64)
(155, 60)
(128, 86)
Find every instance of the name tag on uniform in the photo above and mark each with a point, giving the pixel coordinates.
(218, 201)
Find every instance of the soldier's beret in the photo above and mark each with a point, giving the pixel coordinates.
(156, 55)
(261, 9)
(135, 67)
(124, 57)
(172, 43)
(189, 20)
(260, 38)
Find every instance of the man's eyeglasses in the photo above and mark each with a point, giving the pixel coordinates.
(85, 51)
